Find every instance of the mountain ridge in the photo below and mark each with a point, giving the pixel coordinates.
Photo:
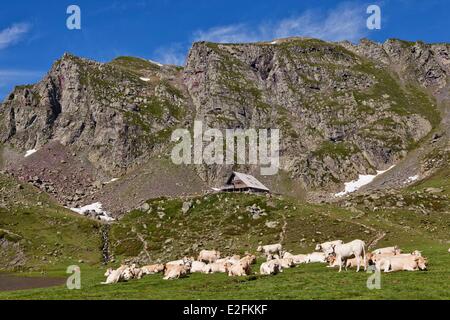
(358, 108)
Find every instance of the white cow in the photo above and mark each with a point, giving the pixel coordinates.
(402, 263)
(183, 262)
(198, 267)
(270, 268)
(216, 268)
(250, 259)
(343, 252)
(272, 249)
(389, 250)
(175, 272)
(374, 258)
(152, 269)
(232, 260)
(316, 257)
(115, 276)
(238, 269)
(286, 263)
(270, 257)
(132, 272)
(298, 259)
(208, 256)
(324, 247)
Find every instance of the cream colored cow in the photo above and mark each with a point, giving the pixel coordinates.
(316, 257)
(324, 247)
(238, 269)
(272, 267)
(298, 259)
(115, 276)
(250, 259)
(272, 249)
(198, 267)
(286, 263)
(216, 268)
(152, 269)
(208, 256)
(343, 252)
(402, 263)
(389, 250)
(173, 272)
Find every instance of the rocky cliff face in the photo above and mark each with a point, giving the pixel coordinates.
(114, 113)
(343, 109)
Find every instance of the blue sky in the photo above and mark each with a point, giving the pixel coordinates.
(33, 34)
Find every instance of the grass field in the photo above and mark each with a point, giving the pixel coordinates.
(313, 281)
(51, 238)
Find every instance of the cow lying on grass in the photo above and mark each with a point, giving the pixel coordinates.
(208, 256)
(389, 250)
(338, 254)
(123, 274)
(272, 267)
(402, 263)
(153, 269)
(173, 272)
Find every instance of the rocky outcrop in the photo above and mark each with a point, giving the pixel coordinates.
(343, 109)
(103, 111)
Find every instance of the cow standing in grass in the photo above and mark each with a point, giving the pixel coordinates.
(326, 246)
(343, 252)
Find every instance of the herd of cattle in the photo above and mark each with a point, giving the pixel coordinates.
(334, 253)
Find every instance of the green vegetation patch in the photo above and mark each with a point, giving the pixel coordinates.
(403, 100)
(336, 149)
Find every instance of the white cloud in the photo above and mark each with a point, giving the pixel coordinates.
(229, 34)
(346, 22)
(172, 54)
(13, 34)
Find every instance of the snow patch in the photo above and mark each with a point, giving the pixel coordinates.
(95, 207)
(412, 179)
(157, 63)
(30, 152)
(363, 180)
(145, 79)
(112, 180)
(274, 42)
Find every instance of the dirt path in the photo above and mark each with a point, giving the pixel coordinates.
(283, 229)
(144, 243)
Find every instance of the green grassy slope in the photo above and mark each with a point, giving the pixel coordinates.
(36, 232)
(304, 282)
(223, 222)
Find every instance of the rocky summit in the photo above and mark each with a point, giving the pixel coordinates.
(101, 131)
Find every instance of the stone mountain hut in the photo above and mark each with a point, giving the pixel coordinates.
(240, 182)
